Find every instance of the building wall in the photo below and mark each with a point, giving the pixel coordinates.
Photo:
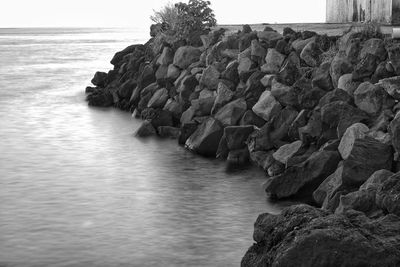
(396, 12)
(338, 11)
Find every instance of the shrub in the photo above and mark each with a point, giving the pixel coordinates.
(186, 21)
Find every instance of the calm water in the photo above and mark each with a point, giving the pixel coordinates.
(78, 189)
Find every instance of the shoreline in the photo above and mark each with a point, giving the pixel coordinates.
(320, 114)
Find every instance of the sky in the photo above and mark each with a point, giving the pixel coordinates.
(134, 13)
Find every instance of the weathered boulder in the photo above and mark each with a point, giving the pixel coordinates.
(187, 129)
(206, 138)
(391, 86)
(310, 173)
(311, 54)
(236, 136)
(335, 95)
(388, 195)
(267, 106)
(173, 72)
(299, 44)
(376, 47)
(166, 57)
(145, 129)
(224, 96)
(246, 68)
(231, 72)
(262, 159)
(159, 99)
(202, 106)
(365, 67)
(210, 77)
(269, 37)
(286, 152)
(347, 84)
(100, 98)
(99, 79)
(285, 95)
(306, 236)
(186, 55)
(322, 77)
(339, 66)
(231, 113)
(257, 51)
(273, 62)
(250, 118)
(372, 98)
(355, 131)
(289, 72)
(116, 60)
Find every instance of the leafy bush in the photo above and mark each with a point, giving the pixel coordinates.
(186, 21)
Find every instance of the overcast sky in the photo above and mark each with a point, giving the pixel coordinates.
(131, 13)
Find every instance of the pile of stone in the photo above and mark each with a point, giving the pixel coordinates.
(319, 114)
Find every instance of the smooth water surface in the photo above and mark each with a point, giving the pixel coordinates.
(78, 189)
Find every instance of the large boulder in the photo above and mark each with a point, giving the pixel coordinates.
(322, 77)
(236, 136)
(347, 84)
(395, 132)
(340, 65)
(100, 98)
(391, 86)
(273, 62)
(210, 77)
(290, 72)
(311, 54)
(159, 99)
(166, 57)
(284, 94)
(230, 114)
(376, 47)
(224, 96)
(306, 236)
(355, 131)
(267, 106)
(250, 118)
(186, 55)
(206, 138)
(99, 79)
(310, 173)
(286, 152)
(372, 98)
(145, 129)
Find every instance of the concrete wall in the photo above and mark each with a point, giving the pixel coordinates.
(361, 10)
(396, 12)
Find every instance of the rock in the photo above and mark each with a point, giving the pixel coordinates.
(381, 72)
(202, 106)
(187, 129)
(245, 40)
(267, 80)
(245, 68)
(126, 89)
(335, 95)
(283, 47)
(159, 99)
(175, 108)
(311, 53)
(253, 89)
(236, 136)
(250, 118)
(299, 44)
(161, 74)
(274, 61)
(347, 84)
(257, 51)
(145, 129)
(391, 86)
(269, 37)
(146, 77)
(375, 181)
(262, 159)
(306, 236)
(289, 72)
(287, 31)
(173, 72)
(169, 132)
(187, 115)
(267, 106)
(231, 113)
(187, 86)
(355, 131)
(339, 66)
(231, 72)
(285, 152)
(285, 95)
(376, 47)
(224, 96)
(206, 138)
(371, 98)
(322, 77)
(116, 60)
(312, 172)
(100, 79)
(388, 195)
(365, 67)
(166, 57)
(238, 157)
(186, 55)
(246, 28)
(300, 121)
(100, 98)
(91, 89)
(395, 132)
(205, 93)
(210, 78)
(307, 34)
(394, 57)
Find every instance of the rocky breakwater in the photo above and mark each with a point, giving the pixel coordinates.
(319, 114)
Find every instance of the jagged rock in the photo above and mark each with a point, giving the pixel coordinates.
(206, 138)
(159, 99)
(391, 86)
(267, 80)
(231, 72)
(100, 98)
(224, 96)
(126, 89)
(187, 115)
(269, 37)
(285, 152)
(299, 44)
(365, 67)
(395, 132)
(161, 74)
(175, 108)
(311, 53)
(394, 57)
(245, 40)
(267, 106)
(312, 172)
(339, 66)
(253, 88)
(166, 57)
(275, 169)
(262, 159)
(371, 98)
(100, 79)
(187, 86)
(250, 118)
(145, 129)
(298, 122)
(246, 68)
(335, 95)
(187, 129)
(376, 47)
(257, 51)
(347, 84)
(239, 156)
(289, 72)
(186, 55)
(231, 113)
(285, 95)
(355, 131)
(274, 61)
(283, 47)
(116, 60)
(312, 130)
(388, 195)
(306, 236)
(236, 136)
(381, 72)
(169, 132)
(322, 77)
(205, 93)
(202, 106)
(210, 77)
